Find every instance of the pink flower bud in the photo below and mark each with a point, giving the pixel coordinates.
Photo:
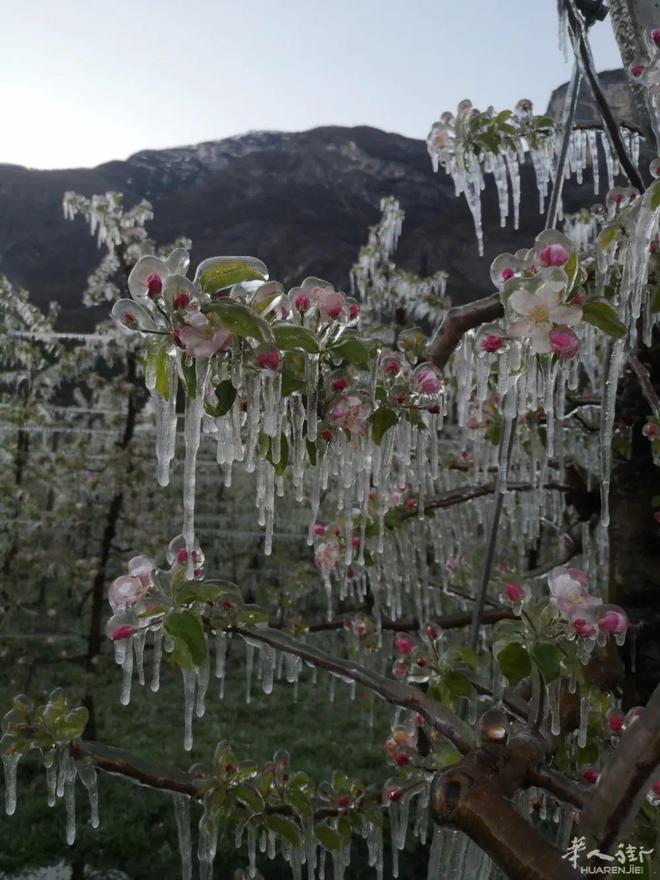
(128, 319)
(355, 541)
(613, 621)
(637, 70)
(655, 36)
(301, 301)
(431, 631)
(615, 723)
(394, 794)
(326, 436)
(428, 381)
(391, 366)
(182, 556)
(400, 669)
(650, 429)
(268, 360)
(154, 285)
(401, 759)
(403, 645)
(180, 301)
(564, 342)
(122, 632)
(579, 297)
(342, 801)
(554, 255)
(490, 343)
(339, 384)
(506, 273)
(584, 628)
(318, 529)
(411, 503)
(590, 776)
(513, 592)
(353, 311)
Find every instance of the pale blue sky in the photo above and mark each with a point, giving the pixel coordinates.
(85, 81)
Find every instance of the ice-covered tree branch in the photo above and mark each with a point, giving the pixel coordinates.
(395, 692)
(458, 321)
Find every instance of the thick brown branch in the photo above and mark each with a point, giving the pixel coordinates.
(626, 779)
(395, 692)
(558, 785)
(458, 321)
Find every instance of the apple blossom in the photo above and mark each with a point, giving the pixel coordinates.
(650, 429)
(427, 379)
(125, 591)
(539, 311)
(327, 555)
(203, 340)
(568, 590)
(613, 620)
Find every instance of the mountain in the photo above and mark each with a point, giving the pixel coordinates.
(302, 202)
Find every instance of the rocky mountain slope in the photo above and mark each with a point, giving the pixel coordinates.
(302, 202)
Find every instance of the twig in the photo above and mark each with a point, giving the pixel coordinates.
(649, 392)
(395, 692)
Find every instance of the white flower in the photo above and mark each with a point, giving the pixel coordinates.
(540, 311)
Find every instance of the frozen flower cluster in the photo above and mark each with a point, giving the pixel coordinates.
(586, 616)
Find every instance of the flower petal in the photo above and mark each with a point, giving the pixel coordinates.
(569, 315)
(522, 301)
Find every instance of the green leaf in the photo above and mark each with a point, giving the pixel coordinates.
(601, 315)
(284, 827)
(655, 300)
(280, 466)
(226, 274)
(547, 657)
(197, 591)
(311, 452)
(163, 370)
(588, 754)
(351, 348)
(249, 795)
(655, 195)
(327, 836)
(240, 319)
(446, 756)
(190, 377)
(606, 237)
(299, 802)
(289, 337)
(382, 419)
(544, 122)
(226, 395)
(71, 725)
(461, 654)
(514, 662)
(251, 615)
(457, 684)
(186, 626)
(345, 830)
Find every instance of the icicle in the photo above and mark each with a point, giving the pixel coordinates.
(267, 668)
(138, 641)
(192, 427)
(311, 392)
(10, 766)
(608, 412)
(182, 815)
(203, 673)
(157, 657)
(88, 777)
(553, 691)
(127, 673)
(70, 803)
(221, 644)
(207, 843)
(252, 851)
(189, 681)
(51, 776)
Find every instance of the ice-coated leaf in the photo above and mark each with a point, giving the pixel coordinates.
(601, 315)
(514, 662)
(382, 419)
(286, 828)
(327, 836)
(240, 319)
(289, 337)
(186, 626)
(225, 394)
(547, 657)
(218, 273)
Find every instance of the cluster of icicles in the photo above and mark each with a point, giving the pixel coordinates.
(383, 289)
(451, 145)
(61, 773)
